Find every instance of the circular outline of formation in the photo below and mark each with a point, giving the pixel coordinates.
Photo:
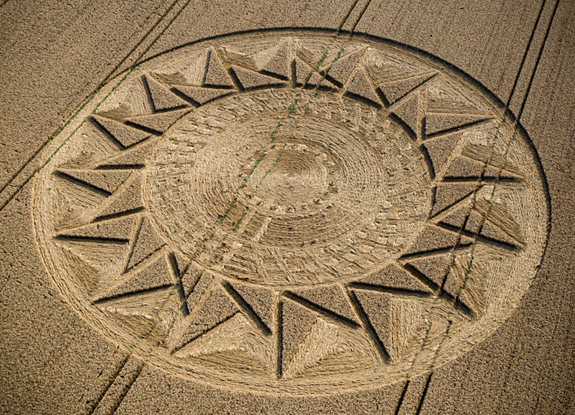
(458, 278)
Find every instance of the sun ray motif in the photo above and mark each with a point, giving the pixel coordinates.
(292, 209)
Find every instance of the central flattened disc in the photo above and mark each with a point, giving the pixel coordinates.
(326, 191)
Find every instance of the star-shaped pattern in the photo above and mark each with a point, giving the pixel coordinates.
(140, 283)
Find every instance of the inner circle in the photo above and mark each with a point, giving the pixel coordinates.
(287, 200)
(290, 178)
